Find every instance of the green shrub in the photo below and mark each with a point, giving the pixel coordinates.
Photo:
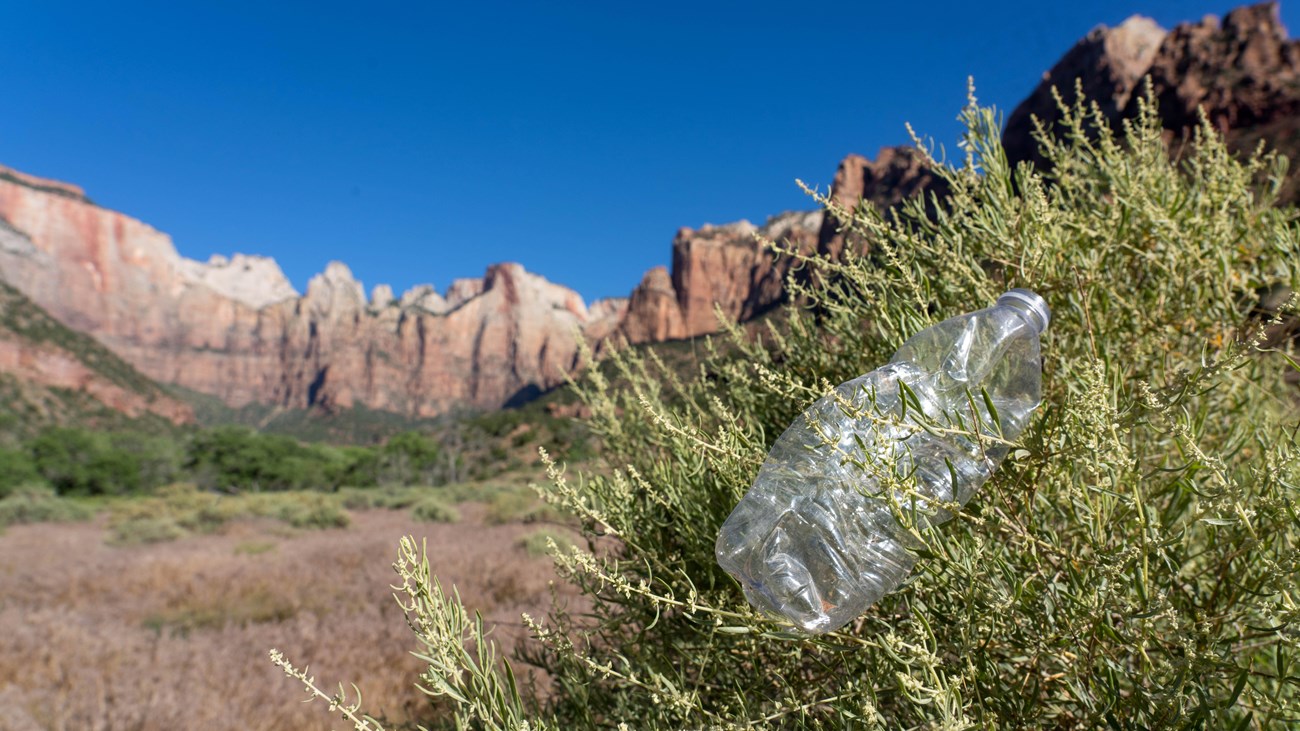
(538, 543)
(360, 498)
(1133, 565)
(80, 462)
(39, 504)
(238, 458)
(463, 492)
(145, 529)
(16, 471)
(254, 548)
(409, 457)
(518, 505)
(306, 510)
(182, 508)
(434, 510)
(389, 497)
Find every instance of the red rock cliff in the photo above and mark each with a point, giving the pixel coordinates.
(1244, 72)
(236, 329)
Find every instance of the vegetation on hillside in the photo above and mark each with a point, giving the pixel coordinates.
(232, 458)
(1133, 565)
(28, 406)
(24, 318)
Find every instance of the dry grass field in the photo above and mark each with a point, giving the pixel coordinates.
(175, 635)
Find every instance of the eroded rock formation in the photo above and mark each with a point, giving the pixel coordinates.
(897, 173)
(1244, 72)
(42, 356)
(1107, 65)
(722, 267)
(234, 327)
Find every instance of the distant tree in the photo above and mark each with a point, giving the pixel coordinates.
(409, 457)
(16, 470)
(238, 458)
(353, 466)
(79, 462)
(159, 457)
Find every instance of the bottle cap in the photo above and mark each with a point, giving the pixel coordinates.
(1040, 315)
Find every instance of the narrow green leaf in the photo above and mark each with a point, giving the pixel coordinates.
(734, 630)
(993, 410)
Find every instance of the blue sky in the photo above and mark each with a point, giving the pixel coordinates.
(420, 142)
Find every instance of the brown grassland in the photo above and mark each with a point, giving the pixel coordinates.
(175, 635)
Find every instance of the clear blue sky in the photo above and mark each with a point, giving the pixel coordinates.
(420, 142)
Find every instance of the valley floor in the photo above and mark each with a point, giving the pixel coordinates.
(175, 635)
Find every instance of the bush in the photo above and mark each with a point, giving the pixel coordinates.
(179, 509)
(80, 462)
(434, 510)
(38, 504)
(538, 543)
(389, 497)
(237, 458)
(16, 471)
(1134, 565)
(305, 510)
(145, 529)
(518, 505)
(409, 457)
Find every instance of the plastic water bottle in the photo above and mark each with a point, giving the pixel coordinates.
(815, 540)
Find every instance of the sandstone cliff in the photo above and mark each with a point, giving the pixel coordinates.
(234, 327)
(897, 173)
(1107, 65)
(1244, 72)
(717, 266)
(40, 356)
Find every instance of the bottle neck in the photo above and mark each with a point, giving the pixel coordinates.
(1029, 305)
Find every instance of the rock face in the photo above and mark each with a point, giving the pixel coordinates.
(49, 186)
(256, 281)
(1244, 73)
(39, 354)
(717, 266)
(234, 327)
(897, 173)
(604, 317)
(1108, 64)
(653, 313)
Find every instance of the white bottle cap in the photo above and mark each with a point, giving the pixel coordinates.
(1040, 315)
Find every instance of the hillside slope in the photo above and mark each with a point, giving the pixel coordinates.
(50, 374)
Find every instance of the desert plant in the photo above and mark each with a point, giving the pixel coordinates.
(307, 510)
(388, 497)
(545, 542)
(81, 462)
(435, 510)
(518, 505)
(1132, 565)
(16, 471)
(181, 508)
(409, 457)
(140, 530)
(38, 504)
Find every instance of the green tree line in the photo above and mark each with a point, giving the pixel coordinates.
(77, 461)
(83, 462)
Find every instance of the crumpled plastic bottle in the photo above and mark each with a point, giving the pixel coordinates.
(815, 539)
